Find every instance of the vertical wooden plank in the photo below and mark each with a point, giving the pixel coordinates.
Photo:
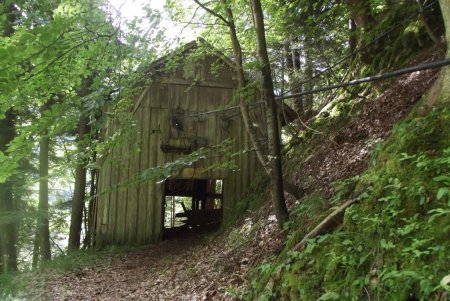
(212, 101)
(160, 159)
(159, 196)
(133, 190)
(144, 117)
(203, 126)
(153, 148)
(99, 217)
(238, 135)
(112, 188)
(123, 162)
(234, 175)
(104, 196)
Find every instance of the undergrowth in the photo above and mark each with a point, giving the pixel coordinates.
(393, 243)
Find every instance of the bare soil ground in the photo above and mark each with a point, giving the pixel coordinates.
(345, 153)
(214, 268)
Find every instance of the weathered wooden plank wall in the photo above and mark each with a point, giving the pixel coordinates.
(133, 213)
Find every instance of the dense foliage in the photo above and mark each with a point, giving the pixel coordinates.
(393, 242)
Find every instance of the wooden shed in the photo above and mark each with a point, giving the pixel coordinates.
(186, 105)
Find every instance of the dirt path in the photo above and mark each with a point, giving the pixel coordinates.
(153, 273)
(193, 267)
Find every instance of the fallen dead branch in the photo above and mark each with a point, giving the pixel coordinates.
(334, 218)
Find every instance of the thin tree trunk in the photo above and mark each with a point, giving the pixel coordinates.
(361, 13)
(35, 259)
(79, 193)
(43, 220)
(90, 214)
(308, 100)
(428, 29)
(299, 100)
(8, 232)
(353, 37)
(293, 66)
(2, 267)
(276, 171)
(241, 82)
(76, 218)
(445, 91)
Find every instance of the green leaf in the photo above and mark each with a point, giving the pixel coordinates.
(347, 242)
(386, 244)
(441, 192)
(442, 178)
(330, 296)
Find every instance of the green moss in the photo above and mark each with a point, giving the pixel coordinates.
(393, 244)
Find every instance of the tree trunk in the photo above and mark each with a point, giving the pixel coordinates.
(293, 65)
(89, 225)
(445, 75)
(426, 24)
(353, 37)
(76, 218)
(8, 232)
(35, 258)
(43, 220)
(361, 13)
(276, 171)
(79, 193)
(308, 100)
(2, 267)
(241, 82)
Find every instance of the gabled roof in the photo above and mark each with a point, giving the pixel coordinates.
(185, 49)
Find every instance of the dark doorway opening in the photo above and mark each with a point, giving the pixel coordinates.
(191, 205)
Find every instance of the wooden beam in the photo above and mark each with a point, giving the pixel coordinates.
(196, 83)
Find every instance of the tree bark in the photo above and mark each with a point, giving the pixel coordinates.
(276, 171)
(35, 258)
(79, 193)
(8, 231)
(308, 100)
(43, 220)
(428, 29)
(237, 50)
(445, 75)
(353, 37)
(90, 210)
(361, 13)
(293, 65)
